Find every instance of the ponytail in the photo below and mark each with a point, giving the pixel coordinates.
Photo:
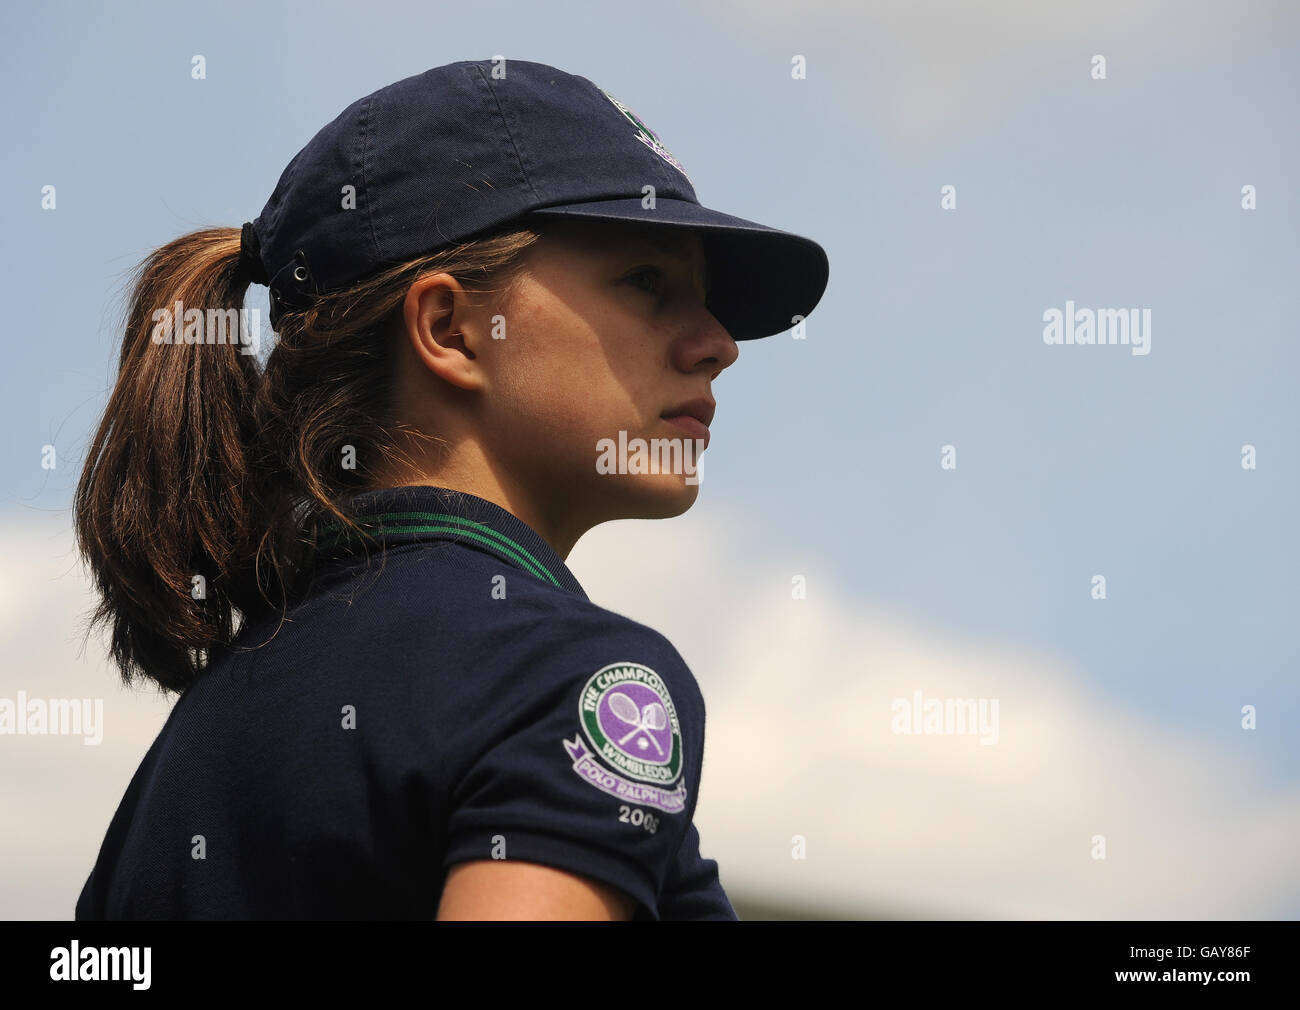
(206, 479)
(167, 507)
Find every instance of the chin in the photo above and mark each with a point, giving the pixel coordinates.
(657, 496)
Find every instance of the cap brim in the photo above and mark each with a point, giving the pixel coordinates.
(762, 277)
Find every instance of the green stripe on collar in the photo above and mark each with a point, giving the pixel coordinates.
(429, 522)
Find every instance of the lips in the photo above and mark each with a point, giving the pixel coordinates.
(693, 417)
(701, 409)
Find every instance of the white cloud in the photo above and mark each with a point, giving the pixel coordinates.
(58, 793)
(928, 67)
(799, 743)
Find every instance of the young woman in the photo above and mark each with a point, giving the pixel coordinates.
(490, 283)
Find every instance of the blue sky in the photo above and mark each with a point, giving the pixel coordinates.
(1071, 460)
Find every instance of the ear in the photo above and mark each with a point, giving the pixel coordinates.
(443, 326)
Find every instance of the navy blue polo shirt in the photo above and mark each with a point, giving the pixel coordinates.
(445, 692)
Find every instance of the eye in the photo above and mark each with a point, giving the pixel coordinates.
(656, 279)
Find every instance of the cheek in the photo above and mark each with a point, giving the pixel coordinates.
(543, 400)
(556, 373)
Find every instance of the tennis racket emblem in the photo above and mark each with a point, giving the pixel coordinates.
(651, 717)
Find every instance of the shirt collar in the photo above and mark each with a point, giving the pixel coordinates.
(417, 513)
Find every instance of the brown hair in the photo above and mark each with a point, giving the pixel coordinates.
(205, 463)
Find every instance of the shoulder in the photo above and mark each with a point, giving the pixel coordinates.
(546, 647)
(587, 690)
(563, 733)
(447, 629)
(499, 632)
(580, 745)
(570, 633)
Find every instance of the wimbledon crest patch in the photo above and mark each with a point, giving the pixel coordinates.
(646, 135)
(631, 740)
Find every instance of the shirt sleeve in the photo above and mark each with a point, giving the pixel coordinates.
(694, 891)
(591, 765)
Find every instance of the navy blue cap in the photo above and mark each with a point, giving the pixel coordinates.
(460, 150)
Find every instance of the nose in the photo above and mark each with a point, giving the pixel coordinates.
(705, 343)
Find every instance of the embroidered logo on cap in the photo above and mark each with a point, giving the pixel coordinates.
(633, 740)
(646, 135)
